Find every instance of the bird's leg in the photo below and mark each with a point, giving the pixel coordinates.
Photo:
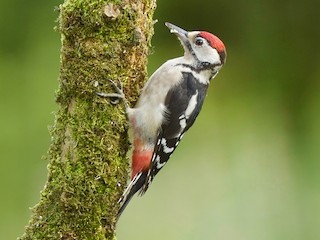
(119, 94)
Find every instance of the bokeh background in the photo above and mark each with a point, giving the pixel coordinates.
(249, 168)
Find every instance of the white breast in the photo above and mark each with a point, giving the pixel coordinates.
(150, 110)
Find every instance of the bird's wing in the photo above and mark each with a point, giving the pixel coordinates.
(183, 105)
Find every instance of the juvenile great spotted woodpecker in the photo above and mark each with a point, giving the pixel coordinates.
(168, 105)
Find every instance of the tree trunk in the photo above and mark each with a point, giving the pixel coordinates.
(88, 167)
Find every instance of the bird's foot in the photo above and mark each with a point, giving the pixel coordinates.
(118, 95)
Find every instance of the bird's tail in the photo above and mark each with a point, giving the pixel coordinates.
(135, 185)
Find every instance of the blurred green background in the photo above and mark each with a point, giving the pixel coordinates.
(249, 168)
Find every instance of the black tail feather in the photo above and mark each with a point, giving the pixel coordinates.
(135, 185)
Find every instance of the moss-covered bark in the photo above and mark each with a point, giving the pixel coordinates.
(88, 167)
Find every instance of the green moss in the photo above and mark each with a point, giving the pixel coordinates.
(88, 167)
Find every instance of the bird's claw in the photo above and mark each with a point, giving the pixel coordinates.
(119, 94)
(119, 89)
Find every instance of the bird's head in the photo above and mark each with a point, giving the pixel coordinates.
(203, 49)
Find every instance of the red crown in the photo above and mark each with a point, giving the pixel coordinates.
(214, 41)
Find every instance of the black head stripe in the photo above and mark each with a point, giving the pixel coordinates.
(201, 66)
(188, 45)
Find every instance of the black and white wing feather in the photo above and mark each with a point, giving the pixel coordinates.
(183, 103)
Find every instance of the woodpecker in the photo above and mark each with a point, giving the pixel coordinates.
(168, 105)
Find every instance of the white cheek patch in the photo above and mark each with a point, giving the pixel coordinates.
(208, 54)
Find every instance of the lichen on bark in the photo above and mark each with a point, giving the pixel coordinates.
(88, 167)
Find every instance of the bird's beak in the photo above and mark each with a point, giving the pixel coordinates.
(181, 33)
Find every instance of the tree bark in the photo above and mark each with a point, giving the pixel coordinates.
(88, 167)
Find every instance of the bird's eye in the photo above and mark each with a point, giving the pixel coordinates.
(199, 41)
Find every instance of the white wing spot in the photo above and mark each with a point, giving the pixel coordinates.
(192, 105)
(183, 123)
(159, 165)
(165, 148)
